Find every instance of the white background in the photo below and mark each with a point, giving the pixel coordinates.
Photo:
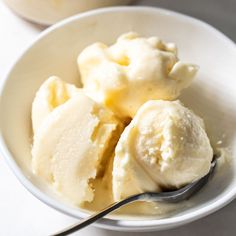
(23, 214)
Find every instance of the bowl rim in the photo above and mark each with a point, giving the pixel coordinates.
(106, 223)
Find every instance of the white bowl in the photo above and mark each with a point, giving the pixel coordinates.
(212, 95)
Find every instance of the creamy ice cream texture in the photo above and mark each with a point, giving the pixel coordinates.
(165, 145)
(73, 141)
(52, 93)
(76, 129)
(132, 71)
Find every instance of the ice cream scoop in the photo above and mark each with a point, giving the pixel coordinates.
(72, 144)
(51, 94)
(132, 71)
(166, 143)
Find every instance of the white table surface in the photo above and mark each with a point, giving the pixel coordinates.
(23, 214)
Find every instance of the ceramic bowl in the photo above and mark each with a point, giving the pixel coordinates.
(47, 12)
(212, 96)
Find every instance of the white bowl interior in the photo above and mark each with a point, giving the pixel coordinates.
(212, 95)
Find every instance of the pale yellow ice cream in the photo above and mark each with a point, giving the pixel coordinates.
(165, 145)
(73, 142)
(51, 94)
(133, 71)
(76, 129)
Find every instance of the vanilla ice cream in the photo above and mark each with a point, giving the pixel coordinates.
(73, 141)
(133, 71)
(51, 94)
(79, 147)
(165, 145)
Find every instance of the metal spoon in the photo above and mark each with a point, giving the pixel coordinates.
(172, 196)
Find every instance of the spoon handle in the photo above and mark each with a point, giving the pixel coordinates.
(87, 221)
(94, 217)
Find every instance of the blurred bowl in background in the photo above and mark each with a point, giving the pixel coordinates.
(48, 12)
